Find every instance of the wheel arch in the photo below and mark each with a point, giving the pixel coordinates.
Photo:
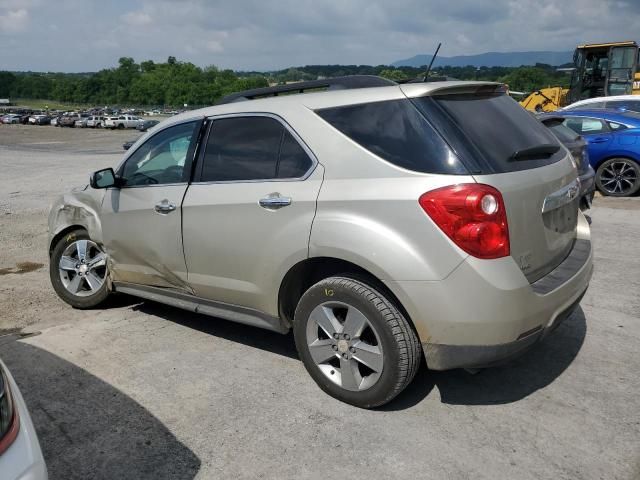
(301, 276)
(620, 154)
(65, 231)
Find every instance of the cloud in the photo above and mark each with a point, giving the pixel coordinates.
(136, 18)
(13, 21)
(254, 34)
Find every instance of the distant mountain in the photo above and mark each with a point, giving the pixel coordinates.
(490, 59)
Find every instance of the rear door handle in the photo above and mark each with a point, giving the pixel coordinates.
(275, 201)
(165, 206)
(600, 140)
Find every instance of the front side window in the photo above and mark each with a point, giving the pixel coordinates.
(252, 148)
(164, 158)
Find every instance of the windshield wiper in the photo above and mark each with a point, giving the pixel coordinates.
(532, 153)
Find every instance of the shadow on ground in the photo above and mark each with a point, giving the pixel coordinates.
(511, 382)
(89, 429)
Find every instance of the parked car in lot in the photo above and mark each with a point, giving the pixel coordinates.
(122, 121)
(11, 118)
(82, 121)
(323, 213)
(629, 103)
(613, 148)
(20, 454)
(145, 125)
(95, 121)
(39, 120)
(69, 120)
(578, 148)
(55, 121)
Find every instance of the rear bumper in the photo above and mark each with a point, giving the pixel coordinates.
(486, 312)
(587, 188)
(447, 357)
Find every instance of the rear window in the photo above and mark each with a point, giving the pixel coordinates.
(396, 132)
(564, 133)
(487, 129)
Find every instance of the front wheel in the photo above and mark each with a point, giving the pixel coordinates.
(78, 270)
(618, 177)
(354, 342)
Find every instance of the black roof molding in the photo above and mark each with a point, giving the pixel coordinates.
(336, 83)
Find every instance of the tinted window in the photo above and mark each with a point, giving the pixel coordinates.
(164, 158)
(625, 104)
(252, 148)
(395, 131)
(585, 125)
(616, 126)
(487, 129)
(564, 133)
(294, 161)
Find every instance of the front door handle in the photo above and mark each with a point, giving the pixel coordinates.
(165, 206)
(600, 140)
(275, 201)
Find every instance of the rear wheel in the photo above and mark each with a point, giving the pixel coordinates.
(618, 177)
(120, 126)
(78, 270)
(354, 343)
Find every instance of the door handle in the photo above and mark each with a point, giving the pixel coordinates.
(165, 206)
(274, 201)
(599, 140)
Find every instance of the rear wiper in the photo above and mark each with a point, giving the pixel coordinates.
(540, 151)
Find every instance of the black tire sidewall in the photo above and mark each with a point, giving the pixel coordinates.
(604, 165)
(75, 301)
(379, 393)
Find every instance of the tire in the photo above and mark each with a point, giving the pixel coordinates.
(120, 126)
(382, 352)
(618, 177)
(71, 273)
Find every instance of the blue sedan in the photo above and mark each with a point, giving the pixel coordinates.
(613, 143)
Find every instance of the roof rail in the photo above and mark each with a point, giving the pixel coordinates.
(336, 83)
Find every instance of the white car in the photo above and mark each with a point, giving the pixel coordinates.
(95, 121)
(626, 102)
(122, 121)
(20, 454)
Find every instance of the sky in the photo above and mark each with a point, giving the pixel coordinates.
(87, 35)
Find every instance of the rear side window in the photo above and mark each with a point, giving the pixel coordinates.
(630, 105)
(395, 131)
(564, 133)
(585, 125)
(487, 129)
(252, 148)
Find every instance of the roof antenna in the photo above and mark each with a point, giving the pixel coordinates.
(426, 74)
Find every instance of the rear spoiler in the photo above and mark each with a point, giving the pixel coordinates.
(413, 90)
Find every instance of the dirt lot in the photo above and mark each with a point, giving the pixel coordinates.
(140, 390)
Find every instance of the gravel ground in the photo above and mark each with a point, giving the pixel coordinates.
(141, 390)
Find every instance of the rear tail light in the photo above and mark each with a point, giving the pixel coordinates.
(473, 216)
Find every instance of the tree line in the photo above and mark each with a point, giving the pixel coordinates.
(174, 83)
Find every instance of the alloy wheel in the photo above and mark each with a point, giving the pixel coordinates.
(619, 177)
(83, 268)
(345, 346)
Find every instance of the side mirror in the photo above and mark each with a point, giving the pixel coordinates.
(104, 178)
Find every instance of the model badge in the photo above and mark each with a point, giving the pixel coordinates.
(525, 261)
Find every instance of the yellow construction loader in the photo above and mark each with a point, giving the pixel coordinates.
(600, 70)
